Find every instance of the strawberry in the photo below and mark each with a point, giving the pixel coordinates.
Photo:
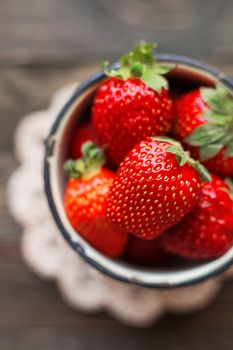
(132, 104)
(145, 252)
(204, 122)
(156, 186)
(207, 231)
(82, 134)
(85, 201)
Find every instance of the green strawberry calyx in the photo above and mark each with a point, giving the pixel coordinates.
(217, 133)
(183, 157)
(88, 165)
(229, 183)
(140, 63)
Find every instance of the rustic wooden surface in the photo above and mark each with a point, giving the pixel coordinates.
(32, 314)
(34, 32)
(43, 45)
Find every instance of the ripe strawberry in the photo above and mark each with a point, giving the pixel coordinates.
(132, 104)
(207, 231)
(156, 186)
(145, 252)
(85, 201)
(204, 121)
(82, 134)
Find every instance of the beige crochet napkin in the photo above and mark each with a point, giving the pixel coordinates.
(50, 257)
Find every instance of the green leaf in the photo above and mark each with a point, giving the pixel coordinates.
(95, 154)
(203, 172)
(140, 63)
(218, 99)
(72, 169)
(158, 69)
(210, 96)
(229, 150)
(127, 59)
(182, 157)
(175, 149)
(147, 48)
(87, 147)
(157, 84)
(210, 151)
(92, 160)
(153, 80)
(227, 138)
(121, 73)
(206, 134)
(216, 118)
(79, 166)
(229, 183)
(142, 53)
(68, 166)
(167, 139)
(178, 158)
(104, 65)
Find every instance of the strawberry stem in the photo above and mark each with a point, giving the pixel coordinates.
(92, 160)
(229, 183)
(140, 63)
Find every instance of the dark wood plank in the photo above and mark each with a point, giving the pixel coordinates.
(24, 90)
(38, 32)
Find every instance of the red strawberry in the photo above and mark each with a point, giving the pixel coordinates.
(156, 186)
(85, 201)
(204, 120)
(82, 134)
(207, 231)
(133, 104)
(145, 252)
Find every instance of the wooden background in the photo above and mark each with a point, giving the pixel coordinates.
(77, 31)
(43, 45)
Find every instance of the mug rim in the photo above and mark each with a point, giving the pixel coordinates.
(49, 148)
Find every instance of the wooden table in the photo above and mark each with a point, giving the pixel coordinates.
(32, 314)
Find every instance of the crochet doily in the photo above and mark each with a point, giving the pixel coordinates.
(47, 253)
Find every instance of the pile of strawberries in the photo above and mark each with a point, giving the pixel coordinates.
(149, 175)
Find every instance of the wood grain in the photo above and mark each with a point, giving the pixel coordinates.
(33, 316)
(38, 32)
